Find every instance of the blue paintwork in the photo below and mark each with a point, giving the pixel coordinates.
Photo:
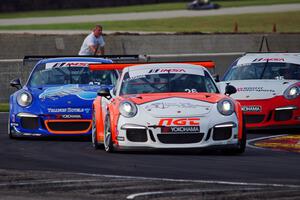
(49, 101)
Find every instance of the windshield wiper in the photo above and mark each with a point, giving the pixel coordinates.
(169, 86)
(264, 69)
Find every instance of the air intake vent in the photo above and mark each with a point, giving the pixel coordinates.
(180, 138)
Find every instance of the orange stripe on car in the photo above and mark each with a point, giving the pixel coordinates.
(240, 116)
(66, 124)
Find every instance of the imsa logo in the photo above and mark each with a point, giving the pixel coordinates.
(167, 70)
(251, 108)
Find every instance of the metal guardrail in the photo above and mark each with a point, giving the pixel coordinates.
(141, 57)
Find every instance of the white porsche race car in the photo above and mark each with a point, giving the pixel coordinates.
(166, 105)
(268, 88)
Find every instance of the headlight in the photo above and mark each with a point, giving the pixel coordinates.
(24, 99)
(292, 92)
(127, 109)
(225, 107)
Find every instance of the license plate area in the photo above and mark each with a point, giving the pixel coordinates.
(180, 129)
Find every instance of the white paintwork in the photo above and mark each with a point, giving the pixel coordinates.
(149, 114)
(257, 89)
(271, 57)
(172, 106)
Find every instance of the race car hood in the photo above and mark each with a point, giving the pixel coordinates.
(176, 104)
(65, 99)
(257, 89)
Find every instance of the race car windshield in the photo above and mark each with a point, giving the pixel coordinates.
(266, 70)
(70, 75)
(171, 82)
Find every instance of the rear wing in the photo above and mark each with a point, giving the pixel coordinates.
(121, 66)
(114, 58)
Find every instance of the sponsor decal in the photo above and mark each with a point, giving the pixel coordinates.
(179, 122)
(68, 116)
(254, 89)
(180, 129)
(67, 64)
(165, 105)
(251, 108)
(134, 78)
(85, 93)
(69, 110)
(167, 70)
(268, 60)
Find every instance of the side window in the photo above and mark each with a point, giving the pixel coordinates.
(230, 70)
(123, 84)
(209, 84)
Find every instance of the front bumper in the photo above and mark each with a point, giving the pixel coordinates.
(146, 134)
(277, 112)
(28, 124)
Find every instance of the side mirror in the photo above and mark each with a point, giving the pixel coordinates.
(229, 90)
(216, 77)
(16, 83)
(104, 92)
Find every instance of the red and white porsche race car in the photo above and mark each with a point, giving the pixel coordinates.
(268, 88)
(166, 105)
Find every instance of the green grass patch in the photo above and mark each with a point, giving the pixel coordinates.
(137, 8)
(4, 107)
(285, 22)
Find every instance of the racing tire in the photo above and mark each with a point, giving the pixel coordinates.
(241, 146)
(242, 143)
(10, 134)
(108, 144)
(95, 141)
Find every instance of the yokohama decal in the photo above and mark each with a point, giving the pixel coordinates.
(252, 108)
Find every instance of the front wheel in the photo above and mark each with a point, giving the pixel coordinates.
(242, 143)
(241, 146)
(10, 134)
(108, 144)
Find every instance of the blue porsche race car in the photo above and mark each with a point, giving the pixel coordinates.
(57, 98)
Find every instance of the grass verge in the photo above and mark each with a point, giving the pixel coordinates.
(285, 22)
(137, 8)
(4, 107)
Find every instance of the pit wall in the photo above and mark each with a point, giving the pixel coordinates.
(221, 48)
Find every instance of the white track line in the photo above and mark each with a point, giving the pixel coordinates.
(133, 196)
(192, 181)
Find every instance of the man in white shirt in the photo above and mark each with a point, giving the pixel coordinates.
(93, 44)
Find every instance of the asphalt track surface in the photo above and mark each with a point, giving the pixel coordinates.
(151, 15)
(72, 169)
